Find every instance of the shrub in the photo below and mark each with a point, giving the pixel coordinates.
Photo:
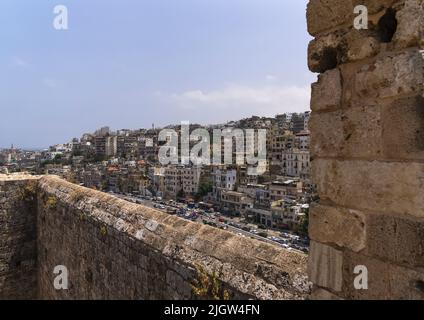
(51, 203)
(209, 286)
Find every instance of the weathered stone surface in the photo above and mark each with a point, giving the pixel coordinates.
(338, 226)
(410, 30)
(327, 91)
(114, 249)
(403, 128)
(323, 15)
(345, 45)
(329, 138)
(375, 6)
(393, 75)
(396, 239)
(18, 237)
(372, 185)
(353, 132)
(367, 148)
(326, 14)
(385, 280)
(325, 266)
(321, 294)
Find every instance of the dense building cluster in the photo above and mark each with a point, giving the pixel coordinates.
(126, 162)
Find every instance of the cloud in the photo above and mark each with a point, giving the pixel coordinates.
(246, 100)
(271, 77)
(19, 62)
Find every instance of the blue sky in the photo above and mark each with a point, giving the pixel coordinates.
(131, 63)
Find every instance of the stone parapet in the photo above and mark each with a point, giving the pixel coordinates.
(114, 249)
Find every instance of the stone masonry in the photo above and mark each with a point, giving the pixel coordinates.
(114, 249)
(367, 129)
(18, 241)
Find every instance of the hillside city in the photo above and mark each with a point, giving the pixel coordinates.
(272, 207)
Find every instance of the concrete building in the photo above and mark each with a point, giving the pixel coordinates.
(289, 189)
(106, 146)
(223, 179)
(235, 203)
(296, 162)
(190, 179)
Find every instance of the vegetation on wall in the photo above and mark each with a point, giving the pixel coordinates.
(51, 203)
(28, 193)
(209, 286)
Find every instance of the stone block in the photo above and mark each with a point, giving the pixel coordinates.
(328, 134)
(325, 266)
(327, 14)
(345, 45)
(410, 29)
(379, 186)
(338, 226)
(396, 239)
(327, 91)
(353, 133)
(403, 128)
(396, 74)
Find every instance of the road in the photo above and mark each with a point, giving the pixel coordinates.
(215, 221)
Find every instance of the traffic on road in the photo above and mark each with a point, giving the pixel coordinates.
(193, 212)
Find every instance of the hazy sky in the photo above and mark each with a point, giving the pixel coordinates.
(131, 63)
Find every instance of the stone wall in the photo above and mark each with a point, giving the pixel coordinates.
(114, 249)
(18, 253)
(367, 129)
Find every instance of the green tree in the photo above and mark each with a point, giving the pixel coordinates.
(204, 189)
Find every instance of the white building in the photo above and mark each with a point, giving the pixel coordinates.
(223, 179)
(302, 140)
(296, 162)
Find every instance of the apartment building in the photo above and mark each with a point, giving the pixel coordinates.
(190, 178)
(289, 189)
(296, 162)
(302, 140)
(235, 203)
(181, 179)
(106, 146)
